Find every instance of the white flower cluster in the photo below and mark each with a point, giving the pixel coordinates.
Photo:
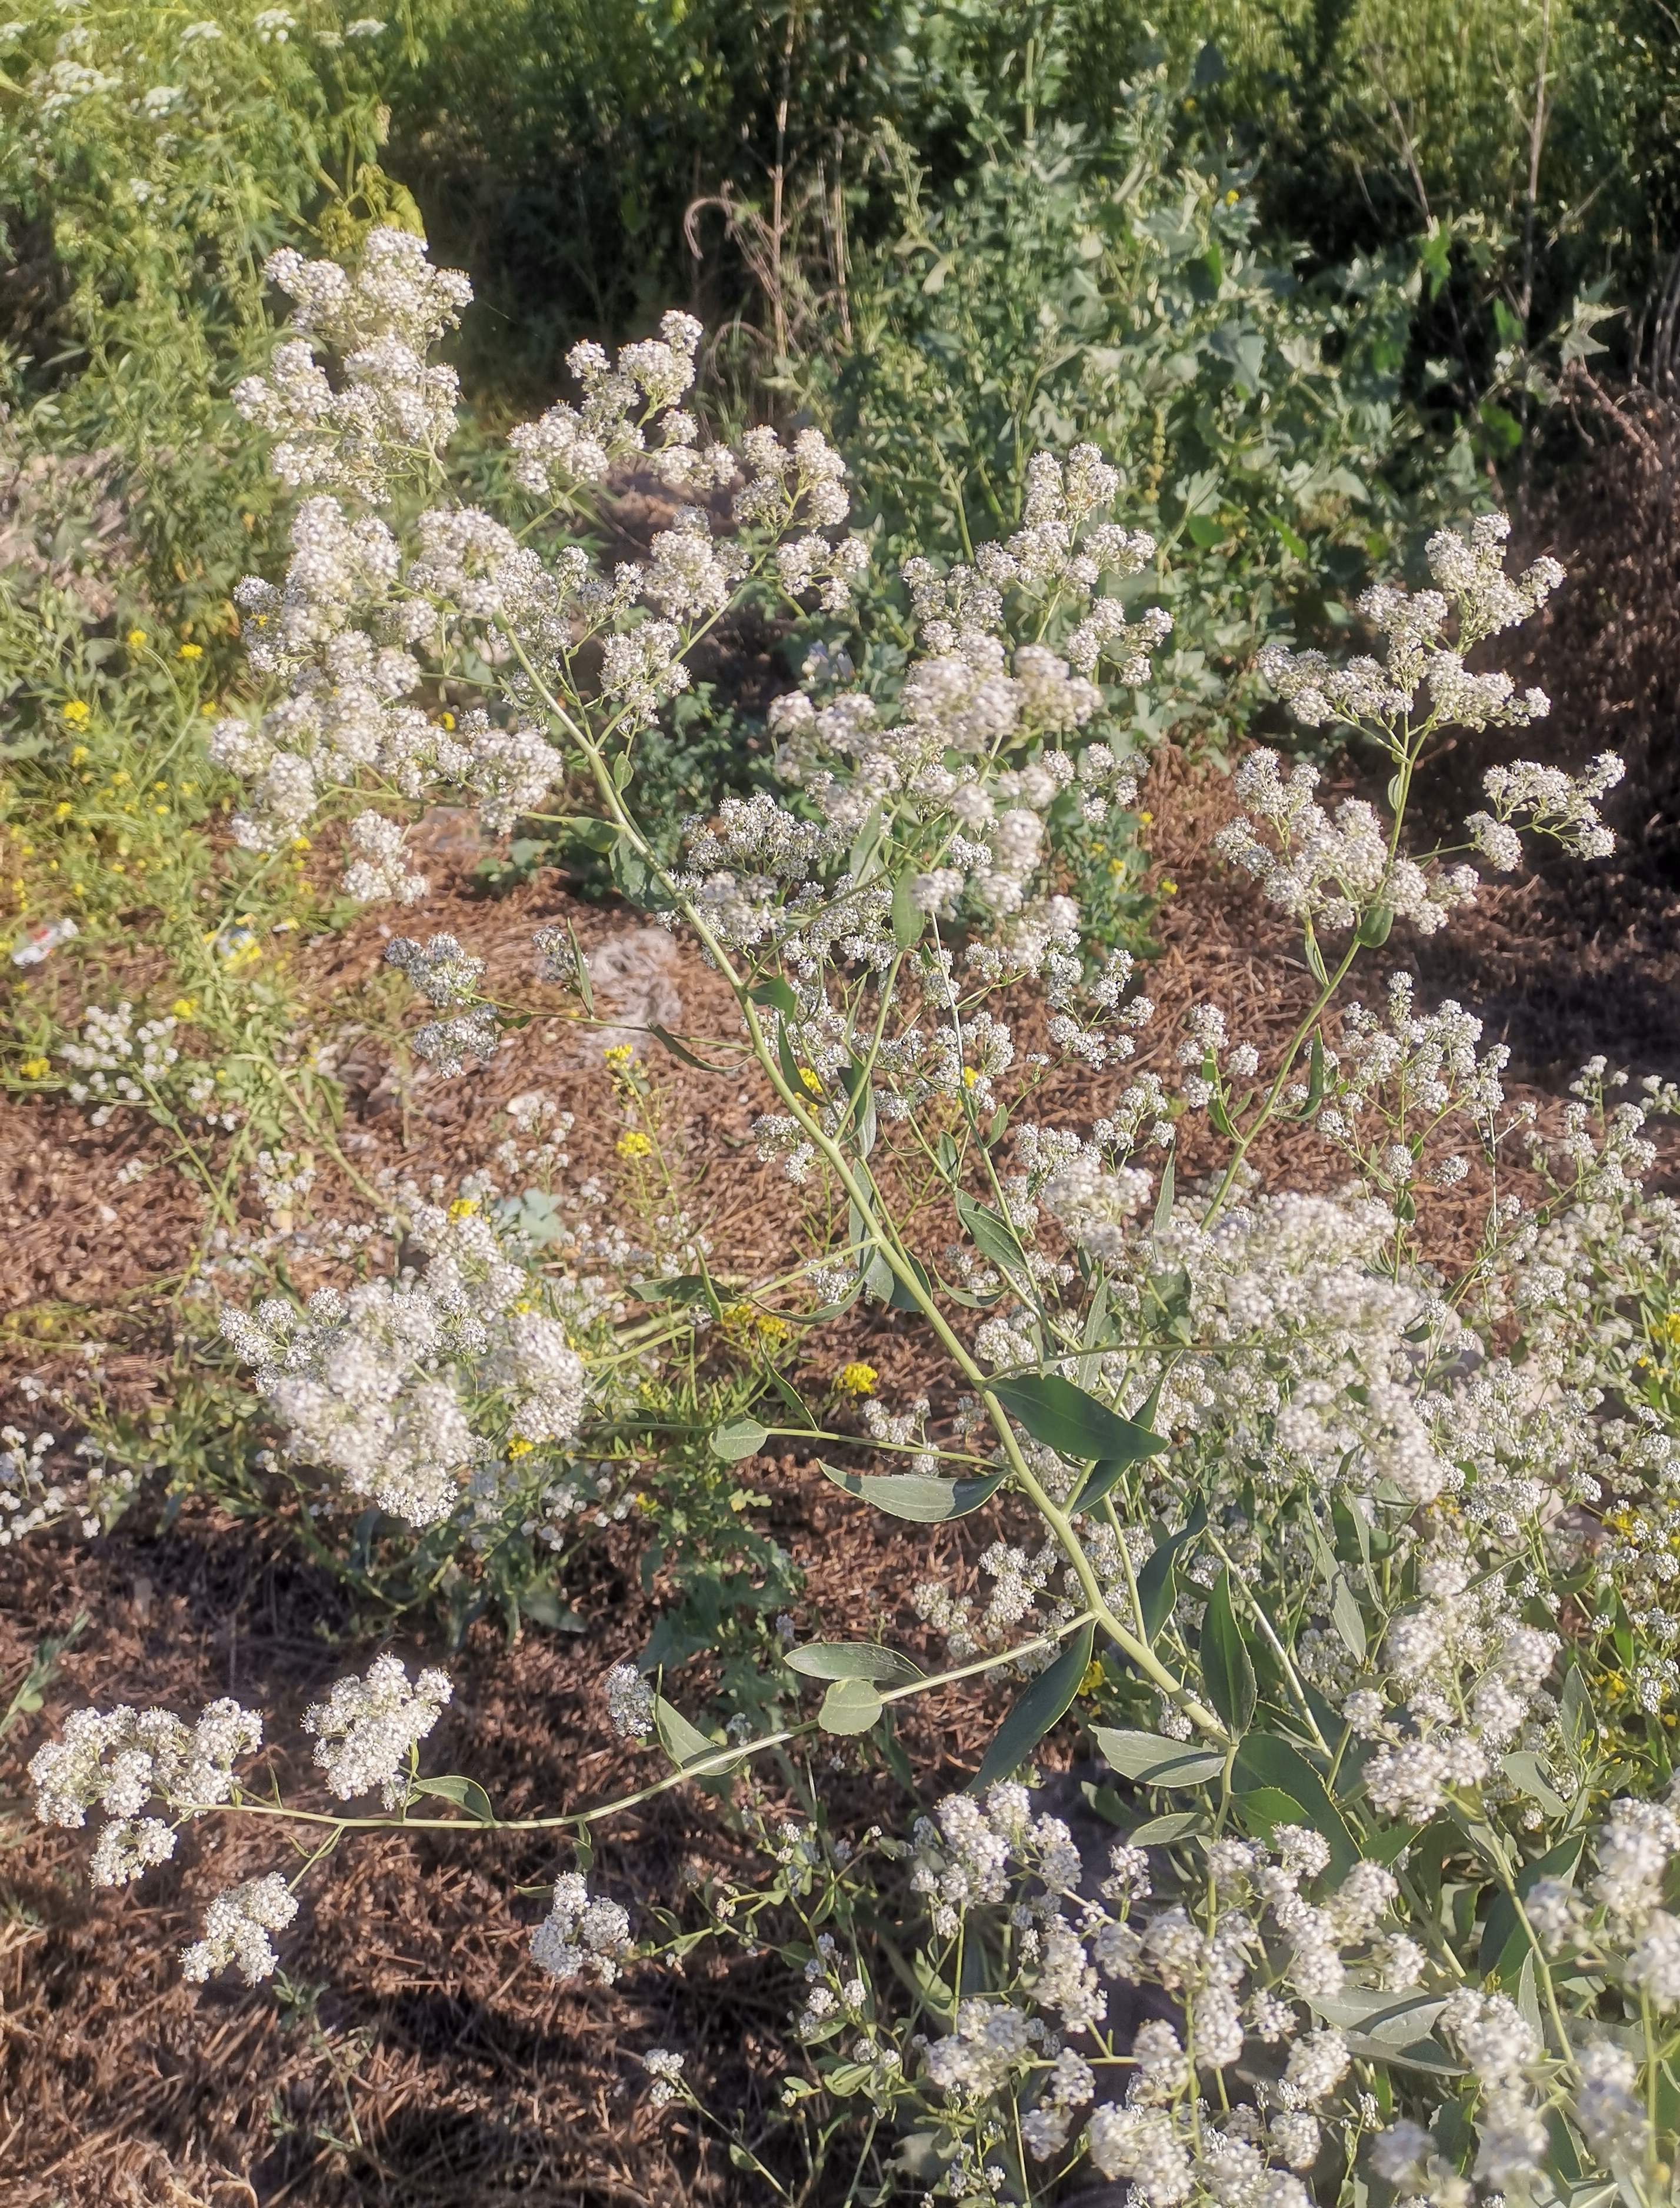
(120, 1063)
(380, 1384)
(236, 1925)
(1473, 1676)
(1331, 871)
(380, 321)
(124, 1760)
(1240, 1977)
(621, 406)
(581, 1933)
(367, 1730)
(629, 1702)
(35, 1492)
(1476, 590)
(357, 602)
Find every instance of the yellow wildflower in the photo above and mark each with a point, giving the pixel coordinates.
(808, 1076)
(81, 751)
(134, 639)
(190, 652)
(463, 1207)
(77, 713)
(772, 1329)
(619, 1055)
(63, 812)
(183, 1008)
(36, 1069)
(633, 1145)
(856, 1379)
(519, 1446)
(969, 1077)
(1169, 889)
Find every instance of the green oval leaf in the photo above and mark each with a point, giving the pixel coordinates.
(992, 1235)
(465, 1793)
(683, 1743)
(854, 1660)
(1159, 1832)
(1349, 1619)
(850, 1706)
(1157, 1583)
(1154, 1760)
(1049, 1698)
(737, 1438)
(1226, 1673)
(776, 993)
(1264, 1760)
(921, 1498)
(1068, 1420)
(909, 919)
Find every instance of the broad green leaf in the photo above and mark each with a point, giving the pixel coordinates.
(1373, 929)
(1266, 1808)
(1049, 1698)
(886, 1284)
(594, 834)
(546, 1607)
(1071, 1422)
(1575, 1710)
(908, 920)
(1157, 1583)
(465, 1793)
(1159, 1832)
(737, 1438)
(1226, 1673)
(992, 1236)
(775, 993)
(1108, 1475)
(1163, 1210)
(1154, 1760)
(1400, 2018)
(683, 1743)
(1523, 1770)
(1349, 1619)
(846, 2078)
(919, 1496)
(1264, 1760)
(852, 1659)
(850, 1706)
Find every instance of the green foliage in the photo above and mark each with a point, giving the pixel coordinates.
(1071, 288)
(151, 158)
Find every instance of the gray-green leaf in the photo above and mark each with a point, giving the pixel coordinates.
(1046, 1700)
(1226, 1673)
(1154, 1760)
(465, 1793)
(854, 1660)
(1075, 1425)
(737, 1438)
(850, 1706)
(925, 1500)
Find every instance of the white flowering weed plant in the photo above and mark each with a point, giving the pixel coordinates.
(1356, 1576)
